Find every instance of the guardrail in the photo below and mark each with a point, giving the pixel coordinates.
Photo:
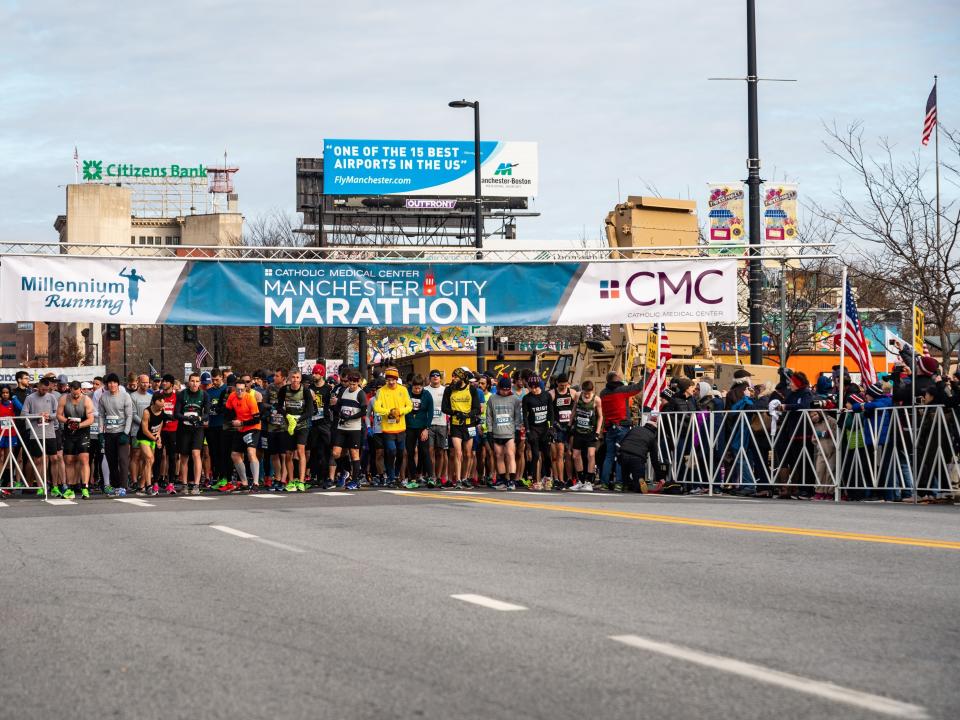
(17, 436)
(891, 453)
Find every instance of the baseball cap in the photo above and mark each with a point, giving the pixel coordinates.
(63, 379)
(155, 377)
(86, 385)
(319, 369)
(206, 378)
(504, 383)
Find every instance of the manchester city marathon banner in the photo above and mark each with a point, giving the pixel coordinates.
(343, 294)
(428, 167)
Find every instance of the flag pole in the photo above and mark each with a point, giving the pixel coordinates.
(936, 155)
(843, 337)
(913, 387)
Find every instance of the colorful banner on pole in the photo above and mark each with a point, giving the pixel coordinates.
(780, 212)
(428, 167)
(725, 215)
(342, 294)
(918, 329)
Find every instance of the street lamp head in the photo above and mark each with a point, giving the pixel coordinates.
(461, 103)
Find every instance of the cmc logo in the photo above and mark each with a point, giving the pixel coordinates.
(646, 288)
(609, 289)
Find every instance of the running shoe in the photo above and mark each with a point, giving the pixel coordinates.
(292, 486)
(55, 492)
(511, 485)
(576, 487)
(302, 486)
(253, 489)
(170, 489)
(411, 485)
(107, 490)
(587, 487)
(352, 485)
(140, 491)
(535, 485)
(546, 483)
(40, 491)
(121, 492)
(85, 494)
(195, 490)
(218, 485)
(525, 482)
(4, 493)
(228, 488)
(154, 490)
(618, 487)
(68, 494)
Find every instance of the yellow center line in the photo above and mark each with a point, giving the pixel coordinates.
(700, 522)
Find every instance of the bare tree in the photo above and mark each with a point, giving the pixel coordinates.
(891, 222)
(275, 228)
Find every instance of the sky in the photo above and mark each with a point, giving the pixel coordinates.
(615, 93)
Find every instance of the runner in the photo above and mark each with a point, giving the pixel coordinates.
(519, 383)
(537, 417)
(563, 402)
(276, 433)
(351, 408)
(191, 411)
(504, 416)
(41, 438)
(168, 457)
(141, 398)
(587, 421)
(219, 460)
(392, 405)
(483, 448)
(461, 403)
(10, 407)
(242, 403)
(419, 468)
(75, 415)
(149, 438)
(319, 439)
(439, 433)
(116, 423)
(296, 404)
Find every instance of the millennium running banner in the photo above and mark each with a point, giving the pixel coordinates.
(344, 294)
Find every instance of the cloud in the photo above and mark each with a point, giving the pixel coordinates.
(612, 91)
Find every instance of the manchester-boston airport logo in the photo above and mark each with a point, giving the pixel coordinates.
(93, 294)
(370, 296)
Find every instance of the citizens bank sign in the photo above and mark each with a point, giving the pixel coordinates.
(94, 170)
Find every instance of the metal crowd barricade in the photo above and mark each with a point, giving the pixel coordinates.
(885, 453)
(16, 456)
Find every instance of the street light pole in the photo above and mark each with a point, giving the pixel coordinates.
(753, 184)
(477, 202)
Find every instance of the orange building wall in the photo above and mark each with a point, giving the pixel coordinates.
(815, 363)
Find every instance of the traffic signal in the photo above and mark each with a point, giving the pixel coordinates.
(190, 334)
(266, 336)
(113, 331)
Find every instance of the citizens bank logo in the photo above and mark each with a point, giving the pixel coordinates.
(609, 289)
(93, 169)
(505, 169)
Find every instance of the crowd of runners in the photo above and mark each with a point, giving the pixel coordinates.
(284, 431)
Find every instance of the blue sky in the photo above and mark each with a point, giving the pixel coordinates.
(611, 91)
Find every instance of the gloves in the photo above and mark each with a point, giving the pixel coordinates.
(124, 439)
(394, 414)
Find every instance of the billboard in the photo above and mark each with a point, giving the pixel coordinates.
(428, 167)
(368, 294)
(725, 217)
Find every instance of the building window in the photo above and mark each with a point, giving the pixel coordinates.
(133, 239)
(143, 240)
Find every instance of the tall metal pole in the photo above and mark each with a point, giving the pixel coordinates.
(162, 368)
(753, 183)
(362, 352)
(936, 156)
(783, 313)
(321, 242)
(478, 192)
(478, 218)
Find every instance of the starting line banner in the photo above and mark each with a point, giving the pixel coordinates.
(343, 294)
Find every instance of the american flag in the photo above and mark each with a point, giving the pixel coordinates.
(202, 355)
(930, 121)
(153, 370)
(76, 160)
(849, 331)
(657, 380)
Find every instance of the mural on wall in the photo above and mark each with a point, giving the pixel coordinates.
(402, 342)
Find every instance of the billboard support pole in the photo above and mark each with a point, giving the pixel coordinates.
(478, 191)
(753, 183)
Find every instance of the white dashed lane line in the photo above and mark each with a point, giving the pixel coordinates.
(256, 538)
(797, 683)
(490, 603)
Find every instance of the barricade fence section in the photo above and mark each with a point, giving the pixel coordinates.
(28, 446)
(891, 453)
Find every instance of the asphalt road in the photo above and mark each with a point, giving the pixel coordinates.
(333, 605)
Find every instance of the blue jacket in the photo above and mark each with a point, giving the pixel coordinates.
(877, 419)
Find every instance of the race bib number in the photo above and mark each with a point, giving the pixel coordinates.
(113, 421)
(391, 420)
(276, 418)
(583, 422)
(437, 413)
(416, 404)
(540, 416)
(472, 431)
(318, 415)
(503, 419)
(564, 416)
(349, 412)
(248, 439)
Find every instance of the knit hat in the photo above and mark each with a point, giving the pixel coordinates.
(319, 369)
(504, 383)
(683, 384)
(666, 393)
(875, 389)
(856, 399)
(926, 365)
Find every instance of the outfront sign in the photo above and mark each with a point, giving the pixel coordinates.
(342, 294)
(428, 167)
